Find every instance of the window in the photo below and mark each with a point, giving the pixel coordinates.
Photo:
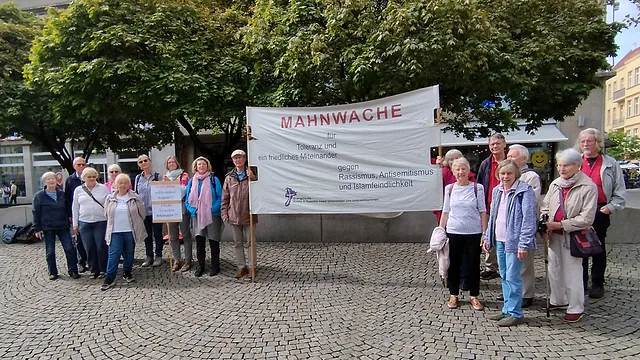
(609, 94)
(621, 113)
(629, 113)
(11, 149)
(635, 132)
(636, 106)
(621, 83)
(615, 86)
(608, 117)
(637, 75)
(630, 79)
(628, 133)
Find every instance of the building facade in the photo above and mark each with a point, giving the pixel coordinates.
(622, 102)
(39, 7)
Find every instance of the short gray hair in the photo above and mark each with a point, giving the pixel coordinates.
(45, 176)
(571, 155)
(498, 136)
(461, 161)
(508, 163)
(114, 167)
(89, 171)
(596, 134)
(451, 153)
(522, 149)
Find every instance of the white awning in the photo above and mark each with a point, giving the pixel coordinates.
(546, 133)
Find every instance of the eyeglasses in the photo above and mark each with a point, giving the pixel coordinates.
(143, 161)
(114, 172)
(81, 164)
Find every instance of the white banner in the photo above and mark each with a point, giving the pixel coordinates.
(369, 157)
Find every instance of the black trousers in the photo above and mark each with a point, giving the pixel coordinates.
(469, 245)
(202, 253)
(599, 262)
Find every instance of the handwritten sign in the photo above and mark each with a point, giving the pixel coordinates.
(166, 201)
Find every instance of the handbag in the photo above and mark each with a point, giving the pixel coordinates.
(582, 243)
(86, 190)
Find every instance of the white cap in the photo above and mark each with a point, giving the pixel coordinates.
(238, 152)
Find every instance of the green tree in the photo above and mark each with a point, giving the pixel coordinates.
(624, 147)
(136, 69)
(536, 60)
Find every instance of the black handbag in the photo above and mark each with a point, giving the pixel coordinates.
(582, 243)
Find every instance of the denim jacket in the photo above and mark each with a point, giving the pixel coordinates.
(521, 218)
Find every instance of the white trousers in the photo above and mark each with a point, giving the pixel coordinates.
(565, 276)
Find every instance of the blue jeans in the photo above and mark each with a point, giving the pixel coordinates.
(509, 266)
(154, 232)
(122, 244)
(92, 235)
(67, 244)
(81, 254)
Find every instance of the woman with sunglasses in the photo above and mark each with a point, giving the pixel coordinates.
(142, 187)
(114, 170)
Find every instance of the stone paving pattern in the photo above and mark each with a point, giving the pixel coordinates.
(310, 301)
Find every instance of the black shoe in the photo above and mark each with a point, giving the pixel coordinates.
(53, 277)
(554, 307)
(108, 284)
(215, 257)
(128, 277)
(488, 275)
(464, 286)
(500, 298)
(74, 275)
(526, 302)
(82, 268)
(596, 292)
(199, 271)
(94, 275)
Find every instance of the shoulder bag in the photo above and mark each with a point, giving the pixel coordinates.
(582, 243)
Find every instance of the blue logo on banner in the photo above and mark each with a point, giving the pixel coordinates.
(289, 194)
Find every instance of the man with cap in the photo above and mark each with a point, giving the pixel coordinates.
(235, 210)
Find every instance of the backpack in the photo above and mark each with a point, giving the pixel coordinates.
(9, 232)
(25, 233)
(135, 183)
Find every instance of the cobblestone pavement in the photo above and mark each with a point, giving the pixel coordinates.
(311, 301)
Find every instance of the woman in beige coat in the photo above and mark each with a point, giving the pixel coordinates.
(125, 212)
(579, 195)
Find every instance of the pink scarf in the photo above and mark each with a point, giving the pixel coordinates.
(203, 202)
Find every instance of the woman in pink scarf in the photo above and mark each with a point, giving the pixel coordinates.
(203, 196)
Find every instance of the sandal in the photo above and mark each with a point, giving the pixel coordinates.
(453, 302)
(476, 304)
(186, 266)
(176, 266)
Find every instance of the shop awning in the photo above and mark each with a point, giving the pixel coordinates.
(546, 133)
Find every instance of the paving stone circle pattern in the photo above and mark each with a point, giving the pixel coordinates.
(310, 301)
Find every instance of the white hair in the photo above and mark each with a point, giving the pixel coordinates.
(522, 149)
(596, 134)
(460, 161)
(451, 153)
(89, 171)
(47, 175)
(571, 156)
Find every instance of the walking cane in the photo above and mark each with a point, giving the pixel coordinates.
(546, 269)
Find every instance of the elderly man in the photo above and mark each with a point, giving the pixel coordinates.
(607, 175)
(520, 155)
(73, 181)
(487, 177)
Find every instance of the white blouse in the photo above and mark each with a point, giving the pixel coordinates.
(85, 209)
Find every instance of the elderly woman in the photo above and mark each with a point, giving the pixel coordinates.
(235, 209)
(449, 178)
(114, 170)
(203, 197)
(89, 220)
(512, 230)
(570, 205)
(175, 173)
(125, 212)
(51, 219)
(142, 187)
(464, 216)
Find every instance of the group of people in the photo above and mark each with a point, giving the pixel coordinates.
(108, 219)
(499, 214)
(10, 193)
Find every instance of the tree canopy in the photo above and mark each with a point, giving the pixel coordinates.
(624, 147)
(531, 60)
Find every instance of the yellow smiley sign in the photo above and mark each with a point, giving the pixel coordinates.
(539, 159)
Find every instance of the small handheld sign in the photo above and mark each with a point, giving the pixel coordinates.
(166, 205)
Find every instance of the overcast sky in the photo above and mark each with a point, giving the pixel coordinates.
(628, 39)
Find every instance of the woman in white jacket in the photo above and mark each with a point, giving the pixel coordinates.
(90, 222)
